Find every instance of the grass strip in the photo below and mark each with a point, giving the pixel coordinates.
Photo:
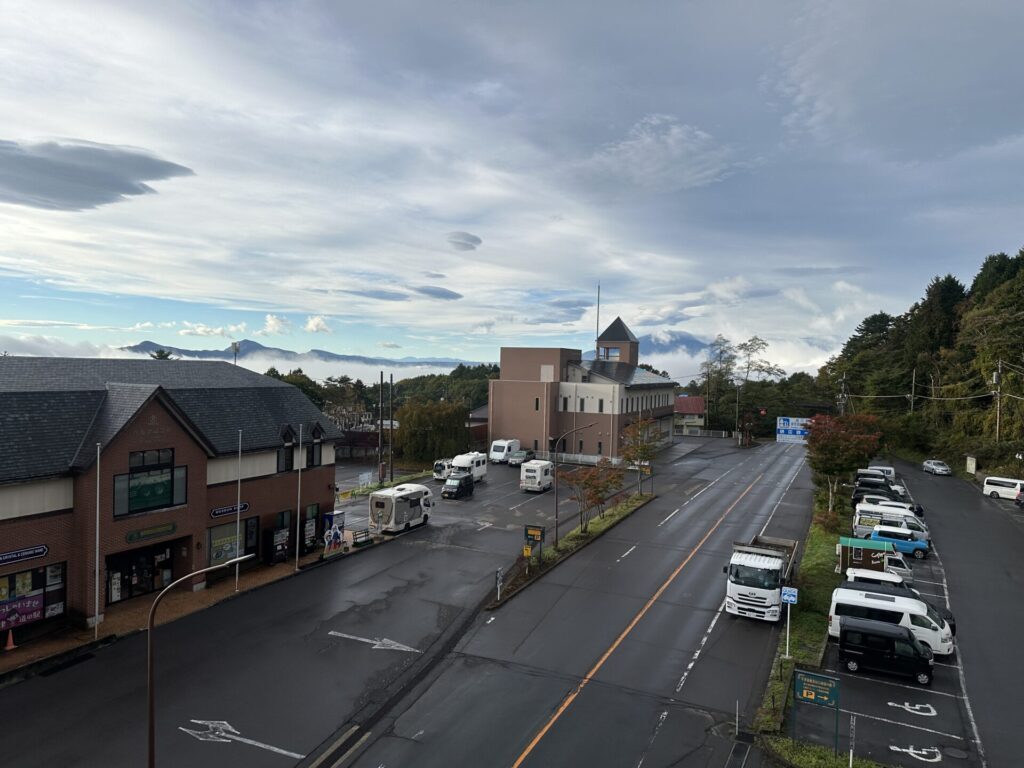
(804, 755)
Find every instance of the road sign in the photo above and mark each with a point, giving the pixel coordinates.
(789, 595)
(789, 429)
(817, 689)
(533, 533)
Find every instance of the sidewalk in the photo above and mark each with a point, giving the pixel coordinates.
(130, 616)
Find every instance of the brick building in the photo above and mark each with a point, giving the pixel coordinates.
(544, 393)
(163, 438)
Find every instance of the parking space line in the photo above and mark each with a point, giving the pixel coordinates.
(917, 688)
(940, 664)
(931, 594)
(904, 725)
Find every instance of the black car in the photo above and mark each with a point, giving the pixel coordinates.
(457, 486)
(521, 456)
(883, 647)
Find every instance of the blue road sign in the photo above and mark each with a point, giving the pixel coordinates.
(789, 595)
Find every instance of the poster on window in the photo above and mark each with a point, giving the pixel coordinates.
(223, 544)
(21, 610)
(22, 583)
(55, 575)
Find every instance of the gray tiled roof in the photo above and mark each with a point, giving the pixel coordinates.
(617, 331)
(624, 373)
(54, 410)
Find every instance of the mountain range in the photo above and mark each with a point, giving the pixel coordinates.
(249, 348)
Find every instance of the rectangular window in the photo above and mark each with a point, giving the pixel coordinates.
(153, 483)
(565, 403)
(536, 403)
(285, 458)
(582, 407)
(314, 453)
(581, 446)
(600, 405)
(535, 445)
(600, 448)
(284, 519)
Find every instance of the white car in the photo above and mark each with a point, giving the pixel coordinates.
(936, 467)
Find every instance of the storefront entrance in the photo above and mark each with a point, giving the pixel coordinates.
(138, 572)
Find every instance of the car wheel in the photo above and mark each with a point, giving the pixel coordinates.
(924, 678)
(919, 554)
(425, 519)
(406, 527)
(994, 495)
(852, 665)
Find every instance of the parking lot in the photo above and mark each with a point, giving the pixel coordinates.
(894, 720)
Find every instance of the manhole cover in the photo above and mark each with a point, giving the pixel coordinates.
(954, 752)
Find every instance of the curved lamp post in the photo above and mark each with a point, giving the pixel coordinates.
(150, 689)
(557, 441)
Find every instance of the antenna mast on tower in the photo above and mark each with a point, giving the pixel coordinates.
(597, 330)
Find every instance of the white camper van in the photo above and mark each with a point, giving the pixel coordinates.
(400, 508)
(474, 463)
(919, 617)
(442, 468)
(500, 450)
(536, 475)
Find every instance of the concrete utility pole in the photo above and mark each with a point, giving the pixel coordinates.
(997, 379)
(391, 428)
(913, 390)
(380, 428)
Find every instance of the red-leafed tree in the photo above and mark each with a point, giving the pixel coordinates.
(838, 445)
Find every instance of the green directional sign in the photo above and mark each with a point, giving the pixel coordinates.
(816, 689)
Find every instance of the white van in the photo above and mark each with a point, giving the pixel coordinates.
(536, 475)
(867, 516)
(400, 508)
(1001, 487)
(474, 463)
(500, 450)
(871, 472)
(442, 468)
(885, 469)
(919, 617)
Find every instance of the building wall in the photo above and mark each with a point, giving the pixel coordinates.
(225, 469)
(521, 410)
(36, 497)
(528, 363)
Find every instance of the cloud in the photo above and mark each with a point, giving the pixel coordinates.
(201, 329)
(382, 295)
(660, 154)
(316, 324)
(77, 175)
(437, 293)
(435, 275)
(143, 326)
(388, 345)
(464, 241)
(274, 324)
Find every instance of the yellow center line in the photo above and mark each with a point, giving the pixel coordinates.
(570, 698)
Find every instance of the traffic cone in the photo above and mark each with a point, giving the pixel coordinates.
(10, 641)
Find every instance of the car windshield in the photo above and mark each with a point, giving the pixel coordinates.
(934, 616)
(746, 576)
(452, 482)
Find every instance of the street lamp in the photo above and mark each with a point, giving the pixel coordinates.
(150, 687)
(560, 439)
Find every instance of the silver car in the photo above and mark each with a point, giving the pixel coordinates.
(936, 467)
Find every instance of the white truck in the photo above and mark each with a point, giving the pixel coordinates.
(536, 475)
(756, 574)
(473, 463)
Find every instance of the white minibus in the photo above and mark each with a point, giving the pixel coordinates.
(1001, 487)
(927, 625)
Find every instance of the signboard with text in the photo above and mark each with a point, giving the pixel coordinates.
(811, 688)
(790, 429)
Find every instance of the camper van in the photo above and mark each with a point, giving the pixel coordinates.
(399, 508)
(442, 468)
(474, 463)
(536, 475)
(500, 450)
(867, 516)
(919, 617)
(1001, 487)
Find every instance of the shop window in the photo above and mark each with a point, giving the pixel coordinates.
(284, 519)
(153, 483)
(313, 454)
(32, 596)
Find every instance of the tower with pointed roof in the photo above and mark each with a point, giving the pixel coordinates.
(618, 344)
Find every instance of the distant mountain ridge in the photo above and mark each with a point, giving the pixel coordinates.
(249, 348)
(664, 343)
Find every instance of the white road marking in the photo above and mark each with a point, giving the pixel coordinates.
(797, 472)
(931, 594)
(903, 725)
(924, 754)
(489, 620)
(484, 526)
(928, 691)
(417, 734)
(378, 643)
(940, 664)
(221, 731)
(925, 710)
(669, 517)
(626, 553)
(698, 493)
(925, 581)
(661, 722)
(942, 568)
(700, 646)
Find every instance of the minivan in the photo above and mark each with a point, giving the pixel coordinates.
(457, 486)
(891, 584)
(881, 647)
(867, 516)
(901, 539)
(870, 473)
(1001, 487)
(916, 615)
(886, 470)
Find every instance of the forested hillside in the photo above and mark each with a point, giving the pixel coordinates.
(947, 376)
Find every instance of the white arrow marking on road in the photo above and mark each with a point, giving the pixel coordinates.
(916, 709)
(924, 754)
(221, 730)
(377, 642)
(489, 620)
(483, 526)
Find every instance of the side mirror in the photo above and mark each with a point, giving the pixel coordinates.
(725, 569)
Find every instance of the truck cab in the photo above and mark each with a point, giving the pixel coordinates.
(756, 574)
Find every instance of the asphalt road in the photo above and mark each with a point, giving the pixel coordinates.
(621, 655)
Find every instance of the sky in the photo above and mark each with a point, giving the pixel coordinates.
(397, 179)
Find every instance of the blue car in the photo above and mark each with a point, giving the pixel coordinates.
(902, 540)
